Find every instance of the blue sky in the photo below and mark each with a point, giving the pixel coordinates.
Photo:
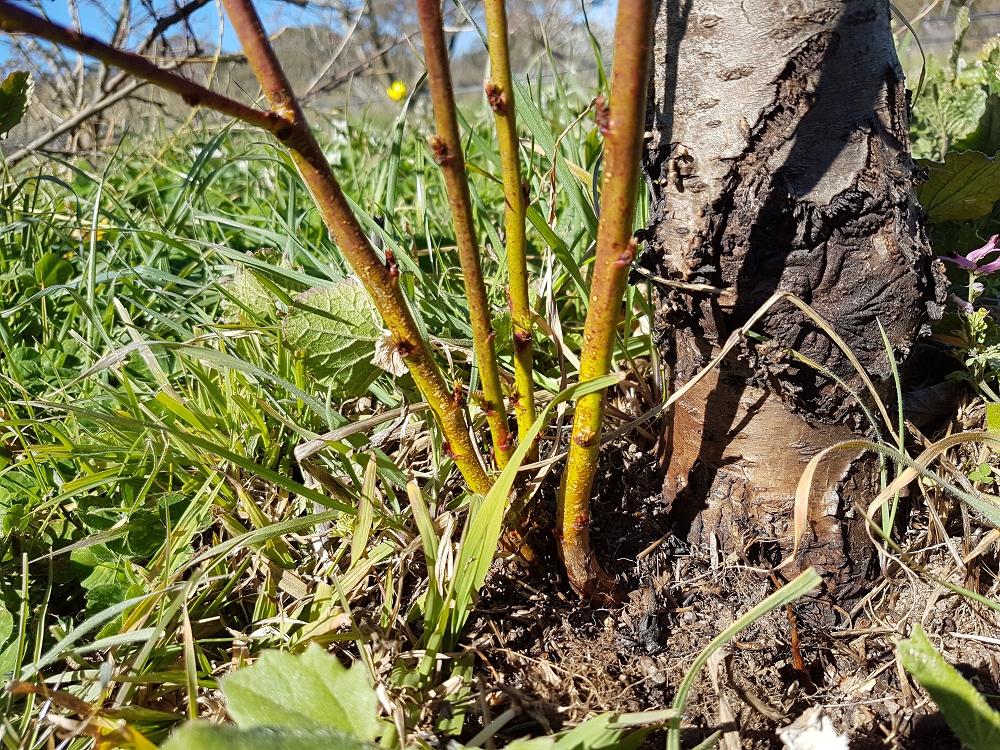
(97, 18)
(94, 17)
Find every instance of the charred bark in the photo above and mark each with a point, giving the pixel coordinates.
(778, 159)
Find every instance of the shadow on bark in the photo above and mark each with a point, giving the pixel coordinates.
(818, 201)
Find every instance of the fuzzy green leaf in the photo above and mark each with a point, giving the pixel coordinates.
(205, 735)
(252, 301)
(970, 718)
(15, 96)
(335, 328)
(986, 136)
(8, 641)
(948, 110)
(312, 691)
(51, 270)
(965, 186)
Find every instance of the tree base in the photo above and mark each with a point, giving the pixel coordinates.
(737, 453)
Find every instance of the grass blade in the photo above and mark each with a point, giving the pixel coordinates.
(805, 582)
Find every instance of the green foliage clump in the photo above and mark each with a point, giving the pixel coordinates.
(177, 322)
(969, 716)
(955, 133)
(958, 104)
(303, 702)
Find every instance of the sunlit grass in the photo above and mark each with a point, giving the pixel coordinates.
(153, 509)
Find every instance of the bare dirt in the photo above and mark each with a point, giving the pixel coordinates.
(558, 661)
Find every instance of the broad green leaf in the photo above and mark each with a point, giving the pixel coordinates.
(335, 328)
(97, 566)
(969, 716)
(993, 418)
(254, 290)
(105, 595)
(986, 137)
(15, 96)
(206, 735)
(964, 186)
(251, 301)
(8, 642)
(312, 691)
(51, 270)
(949, 108)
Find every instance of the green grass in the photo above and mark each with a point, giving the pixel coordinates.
(153, 512)
(156, 528)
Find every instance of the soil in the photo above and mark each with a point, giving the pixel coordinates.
(559, 662)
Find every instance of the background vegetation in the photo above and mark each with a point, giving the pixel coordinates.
(167, 512)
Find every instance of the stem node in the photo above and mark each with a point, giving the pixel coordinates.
(439, 147)
(391, 265)
(495, 95)
(585, 437)
(628, 254)
(602, 115)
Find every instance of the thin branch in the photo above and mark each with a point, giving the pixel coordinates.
(615, 250)
(336, 53)
(74, 121)
(381, 280)
(14, 19)
(164, 23)
(500, 94)
(448, 152)
(354, 70)
(111, 93)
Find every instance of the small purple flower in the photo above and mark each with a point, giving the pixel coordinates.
(962, 305)
(970, 262)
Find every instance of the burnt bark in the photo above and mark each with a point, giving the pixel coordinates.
(778, 159)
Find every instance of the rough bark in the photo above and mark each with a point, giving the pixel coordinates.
(778, 159)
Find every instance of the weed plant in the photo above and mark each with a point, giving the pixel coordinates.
(209, 448)
(152, 402)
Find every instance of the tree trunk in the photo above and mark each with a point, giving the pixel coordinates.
(778, 159)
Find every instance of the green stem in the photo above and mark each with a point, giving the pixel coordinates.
(287, 124)
(448, 152)
(500, 93)
(615, 251)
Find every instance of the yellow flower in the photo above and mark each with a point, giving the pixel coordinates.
(396, 91)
